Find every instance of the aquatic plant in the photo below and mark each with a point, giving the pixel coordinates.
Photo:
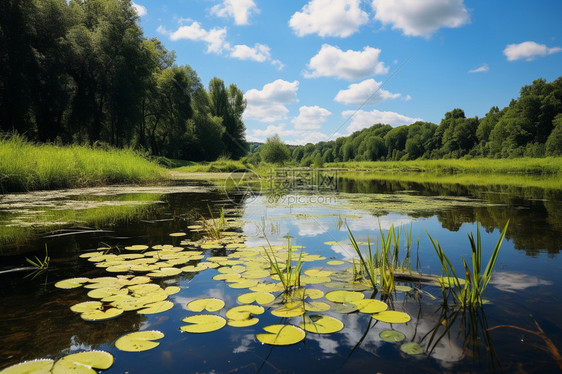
(214, 227)
(288, 274)
(468, 293)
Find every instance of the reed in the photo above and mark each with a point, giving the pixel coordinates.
(468, 293)
(288, 274)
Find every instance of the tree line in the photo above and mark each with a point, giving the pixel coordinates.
(531, 126)
(83, 72)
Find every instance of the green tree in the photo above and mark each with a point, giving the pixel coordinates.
(554, 141)
(275, 151)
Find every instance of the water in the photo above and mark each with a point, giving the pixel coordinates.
(37, 322)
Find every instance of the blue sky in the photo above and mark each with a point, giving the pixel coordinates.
(315, 70)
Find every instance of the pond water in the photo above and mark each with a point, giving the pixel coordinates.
(525, 291)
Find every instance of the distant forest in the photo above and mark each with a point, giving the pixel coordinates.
(530, 126)
(83, 72)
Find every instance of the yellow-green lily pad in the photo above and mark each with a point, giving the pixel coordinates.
(157, 307)
(371, 306)
(262, 298)
(243, 322)
(411, 348)
(83, 362)
(391, 316)
(344, 296)
(210, 304)
(267, 287)
(245, 283)
(202, 323)
(177, 234)
(228, 277)
(402, 288)
(335, 262)
(138, 247)
(139, 341)
(321, 324)
(42, 366)
(392, 336)
(291, 309)
(101, 315)
(164, 272)
(195, 268)
(316, 306)
(86, 306)
(242, 312)
(171, 290)
(71, 283)
(281, 335)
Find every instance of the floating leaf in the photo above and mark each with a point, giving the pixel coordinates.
(164, 272)
(228, 277)
(281, 335)
(100, 293)
(246, 283)
(86, 306)
(210, 304)
(343, 308)
(321, 324)
(261, 298)
(256, 274)
(392, 316)
(101, 315)
(344, 296)
(68, 284)
(157, 307)
(30, 367)
(335, 262)
(171, 290)
(202, 323)
(236, 269)
(267, 287)
(137, 247)
(316, 306)
(128, 303)
(83, 362)
(195, 268)
(411, 348)
(243, 312)
(242, 323)
(177, 234)
(403, 288)
(370, 306)
(292, 309)
(392, 336)
(139, 341)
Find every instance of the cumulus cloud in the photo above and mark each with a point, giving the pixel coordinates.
(421, 18)
(528, 51)
(481, 69)
(269, 103)
(239, 10)
(216, 43)
(363, 119)
(351, 65)
(141, 10)
(359, 93)
(340, 18)
(310, 117)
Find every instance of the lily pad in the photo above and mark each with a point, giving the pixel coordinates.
(370, 306)
(177, 234)
(246, 283)
(101, 315)
(267, 287)
(243, 312)
(321, 324)
(344, 296)
(202, 323)
(343, 308)
(164, 272)
(411, 348)
(139, 341)
(261, 298)
(71, 283)
(83, 362)
(392, 316)
(403, 288)
(243, 322)
(316, 306)
(171, 290)
(28, 367)
(392, 336)
(210, 304)
(137, 247)
(281, 335)
(195, 268)
(335, 262)
(292, 309)
(86, 306)
(157, 307)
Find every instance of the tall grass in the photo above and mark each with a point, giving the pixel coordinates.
(26, 166)
(289, 274)
(468, 293)
(221, 165)
(547, 165)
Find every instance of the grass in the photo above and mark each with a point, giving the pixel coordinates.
(468, 293)
(221, 165)
(25, 166)
(214, 227)
(542, 166)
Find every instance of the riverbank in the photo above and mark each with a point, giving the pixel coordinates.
(26, 166)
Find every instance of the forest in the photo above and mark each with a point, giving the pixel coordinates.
(531, 126)
(82, 72)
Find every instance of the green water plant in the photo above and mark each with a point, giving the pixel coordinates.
(288, 274)
(215, 226)
(468, 292)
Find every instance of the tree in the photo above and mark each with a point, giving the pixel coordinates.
(275, 151)
(554, 141)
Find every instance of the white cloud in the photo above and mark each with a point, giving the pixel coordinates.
(289, 136)
(240, 10)
(141, 10)
(362, 119)
(269, 103)
(359, 93)
(310, 117)
(528, 51)
(421, 18)
(481, 69)
(351, 65)
(259, 53)
(214, 38)
(340, 18)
